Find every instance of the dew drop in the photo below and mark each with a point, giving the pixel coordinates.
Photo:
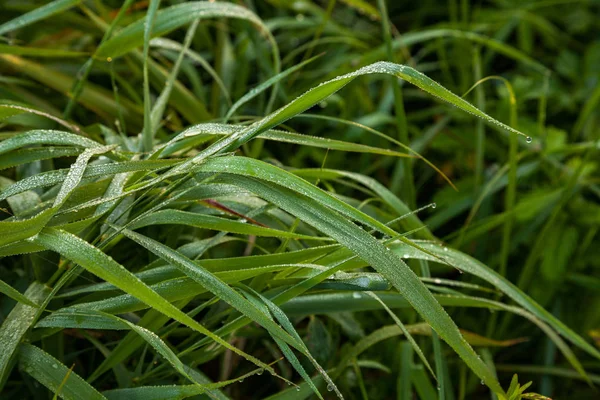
(528, 139)
(356, 295)
(445, 249)
(323, 104)
(241, 380)
(482, 382)
(108, 59)
(433, 205)
(406, 256)
(55, 366)
(260, 371)
(330, 388)
(297, 388)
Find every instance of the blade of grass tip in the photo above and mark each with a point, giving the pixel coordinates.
(384, 136)
(161, 103)
(101, 265)
(317, 94)
(54, 375)
(28, 109)
(14, 294)
(62, 384)
(148, 130)
(407, 334)
(406, 176)
(252, 93)
(38, 14)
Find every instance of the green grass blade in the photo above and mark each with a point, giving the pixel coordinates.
(38, 14)
(14, 294)
(98, 263)
(265, 85)
(213, 284)
(471, 266)
(165, 217)
(51, 373)
(15, 326)
(171, 18)
(281, 136)
(46, 137)
(148, 130)
(384, 261)
(39, 52)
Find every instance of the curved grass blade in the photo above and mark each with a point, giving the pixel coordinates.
(24, 156)
(171, 18)
(94, 319)
(176, 217)
(214, 285)
(46, 137)
(380, 258)
(326, 89)
(474, 267)
(405, 332)
(265, 85)
(210, 129)
(54, 375)
(12, 108)
(101, 265)
(51, 178)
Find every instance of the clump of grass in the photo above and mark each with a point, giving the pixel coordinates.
(194, 195)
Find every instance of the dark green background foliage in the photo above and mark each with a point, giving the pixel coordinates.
(361, 199)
